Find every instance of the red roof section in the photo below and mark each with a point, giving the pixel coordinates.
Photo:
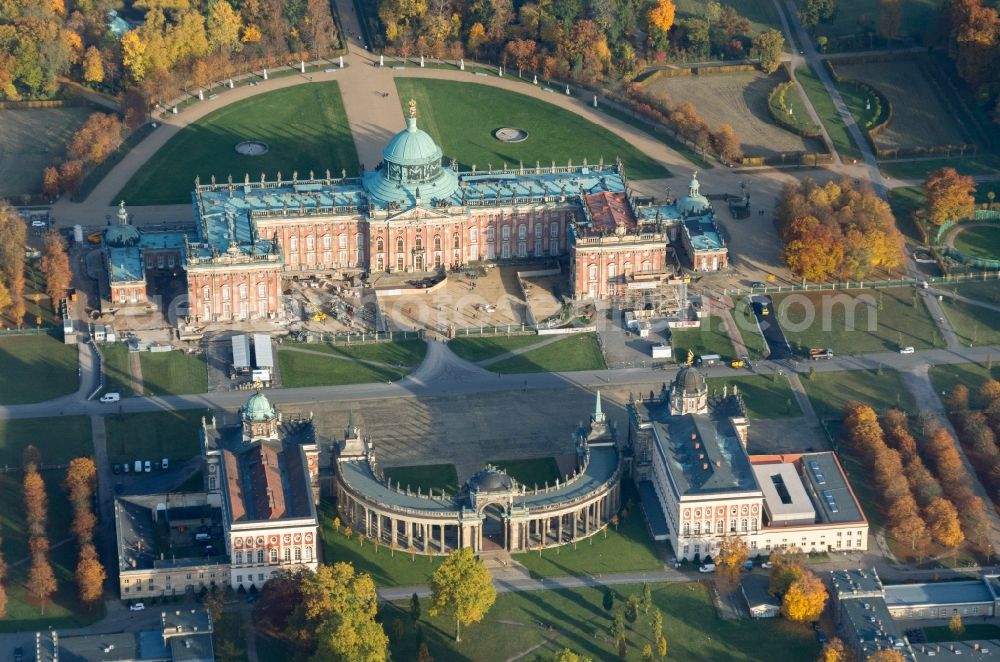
(233, 485)
(265, 481)
(608, 211)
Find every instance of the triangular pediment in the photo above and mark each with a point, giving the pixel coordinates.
(418, 213)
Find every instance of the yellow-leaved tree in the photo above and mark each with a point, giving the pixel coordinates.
(805, 599)
(661, 16)
(462, 586)
(134, 55)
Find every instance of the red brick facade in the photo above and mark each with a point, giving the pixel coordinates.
(239, 293)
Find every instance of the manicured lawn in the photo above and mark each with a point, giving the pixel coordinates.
(405, 353)
(153, 436)
(625, 549)
(117, 375)
(763, 397)
(543, 623)
(980, 241)
(974, 325)
(36, 368)
(531, 473)
(761, 14)
(481, 348)
(856, 321)
(579, 351)
(860, 478)
(173, 373)
(709, 338)
(60, 439)
(981, 290)
(856, 17)
(828, 114)
(385, 567)
(461, 117)
(306, 369)
(981, 164)
(830, 391)
(304, 127)
(425, 477)
(63, 611)
(945, 377)
(671, 142)
(972, 631)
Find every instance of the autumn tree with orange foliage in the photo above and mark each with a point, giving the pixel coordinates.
(805, 599)
(80, 483)
(732, 555)
(886, 655)
(13, 237)
(95, 141)
(837, 230)
(726, 144)
(35, 501)
(833, 651)
(55, 267)
(90, 576)
(944, 525)
(659, 20)
(949, 196)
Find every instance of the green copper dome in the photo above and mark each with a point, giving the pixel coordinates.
(412, 146)
(694, 202)
(258, 408)
(121, 235)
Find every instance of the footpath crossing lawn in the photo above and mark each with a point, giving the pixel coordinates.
(945, 377)
(541, 623)
(974, 325)
(476, 348)
(173, 373)
(36, 368)
(580, 351)
(404, 353)
(461, 117)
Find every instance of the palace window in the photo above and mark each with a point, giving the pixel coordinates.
(243, 292)
(538, 230)
(455, 242)
(342, 241)
(437, 243)
(553, 229)
(310, 243)
(261, 290)
(522, 231)
(505, 233)
(753, 523)
(743, 525)
(309, 553)
(293, 244)
(687, 528)
(697, 528)
(288, 555)
(473, 235)
(379, 245)
(260, 556)
(418, 244)
(225, 293)
(239, 557)
(611, 271)
(491, 234)
(298, 553)
(593, 272)
(732, 526)
(399, 245)
(360, 240)
(719, 526)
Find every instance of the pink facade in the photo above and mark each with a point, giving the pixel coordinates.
(240, 293)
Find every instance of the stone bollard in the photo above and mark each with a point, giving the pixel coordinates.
(461, 64)
(265, 74)
(231, 84)
(341, 62)
(534, 80)
(421, 61)
(567, 89)
(381, 60)
(201, 95)
(302, 66)
(595, 101)
(174, 110)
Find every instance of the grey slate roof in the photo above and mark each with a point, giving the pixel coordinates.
(938, 593)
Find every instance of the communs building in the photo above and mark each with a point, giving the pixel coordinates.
(695, 474)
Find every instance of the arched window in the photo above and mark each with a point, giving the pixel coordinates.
(309, 553)
(260, 556)
(437, 243)
(298, 553)
(239, 557)
(293, 244)
(419, 243)
(554, 229)
(743, 525)
(732, 526)
(342, 241)
(593, 272)
(697, 528)
(491, 234)
(274, 556)
(326, 242)
(612, 271)
(399, 245)
(753, 523)
(288, 555)
(455, 242)
(379, 246)
(687, 529)
(719, 525)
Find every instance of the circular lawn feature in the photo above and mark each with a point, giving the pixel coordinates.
(304, 127)
(509, 134)
(981, 241)
(252, 148)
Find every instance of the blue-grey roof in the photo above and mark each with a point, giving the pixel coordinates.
(754, 586)
(939, 593)
(653, 510)
(832, 497)
(703, 233)
(125, 264)
(412, 146)
(725, 466)
(870, 620)
(162, 240)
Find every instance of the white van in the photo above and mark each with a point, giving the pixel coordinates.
(165, 463)
(111, 397)
(138, 466)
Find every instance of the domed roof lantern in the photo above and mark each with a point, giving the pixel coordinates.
(122, 234)
(694, 202)
(258, 408)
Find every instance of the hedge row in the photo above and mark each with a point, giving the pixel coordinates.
(778, 109)
(723, 68)
(883, 107)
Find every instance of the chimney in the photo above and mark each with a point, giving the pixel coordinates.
(718, 463)
(704, 466)
(697, 444)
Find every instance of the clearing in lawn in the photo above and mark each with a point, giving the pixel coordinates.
(974, 325)
(709, 338)
(537, 625)
(461, 118)
(532, 473)
(919, 117)
(625, 548)
(425, 477)
(979, 241)
(856, 321)
(387, 567)
(36, 368)
(64, 611)
(59, 439)
(32, 139)
(945, 377)
(173, 373)
(763, 396)
(303, 367)
(476, 349)
(830, 391)
(305, 129)
(580, 351)
(153, 436)
(738, 99)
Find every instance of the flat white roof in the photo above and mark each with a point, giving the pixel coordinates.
(785, 498)
(241, 352)
(262, 350)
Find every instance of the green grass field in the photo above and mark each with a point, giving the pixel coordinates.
(153, 436)
(579, 351)
(461, 117)
(59, 439)
(974, 325)
(981, 290)
(304, 127)
(34, 138)
(830, 391)
(828, 114)
(425, 477)
(709, 338)
(945, 377)
(117, 375)
(36, 368)
(763, 397)
(530, 473)
(303, 368)
(980, 164)
(980, 241)
(856, 321)
(64, 611)
(386, 567)
(857, 17)
(404, 353)
(477, 349)
(972, 631)
(536, 625)
(173, 373)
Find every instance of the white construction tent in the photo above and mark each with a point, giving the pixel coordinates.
(263, 354)
(241, 353)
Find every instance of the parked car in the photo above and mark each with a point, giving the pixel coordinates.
(116, 469)
(148, 466)
(906, 350)
(706, 568)
(125, 467)
(18, 654)
(111, 397)
(767, 565)
(757, 284)
(165, 463)
(136, 606)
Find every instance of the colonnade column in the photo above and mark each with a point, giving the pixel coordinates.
(442, 525)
